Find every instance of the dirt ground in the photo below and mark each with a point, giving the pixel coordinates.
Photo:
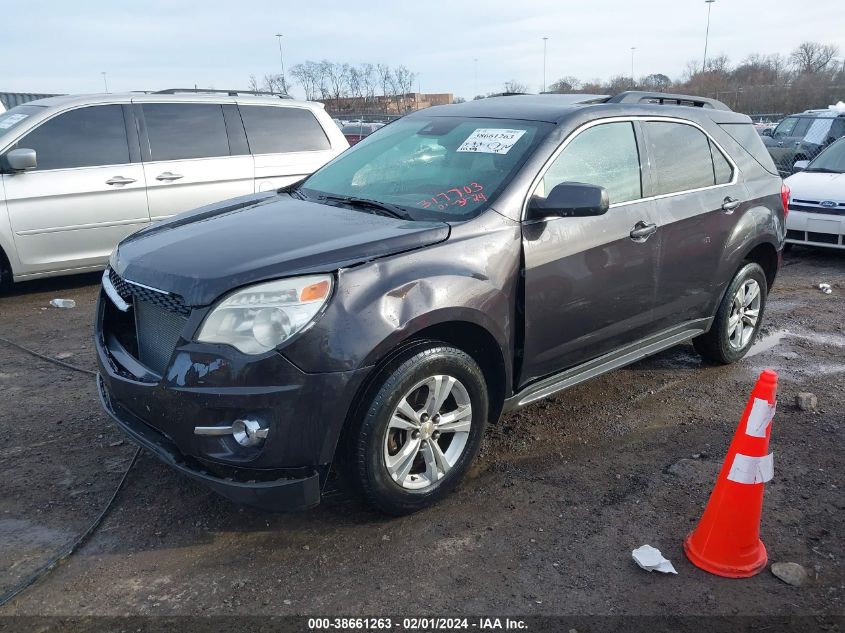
(545, 524)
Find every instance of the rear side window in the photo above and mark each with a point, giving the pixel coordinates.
(605, 155)
(722, 169)
(748, 139)
(86, 137)
(277, 130)
(185, 130)
(681, 155)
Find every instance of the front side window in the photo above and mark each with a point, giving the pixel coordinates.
(605, 155)
(681, 157)
(180, 131)
(449, 168)
(85, 137)
(785, 127)
(276, 130)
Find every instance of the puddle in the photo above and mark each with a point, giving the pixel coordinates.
(776, 338)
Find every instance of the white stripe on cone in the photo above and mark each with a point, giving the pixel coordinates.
(760, 418)
(752, 470)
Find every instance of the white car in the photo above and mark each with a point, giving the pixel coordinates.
(817, 200)
(80, 173)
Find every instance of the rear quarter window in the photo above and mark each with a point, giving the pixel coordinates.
(278, 130)
(748, 139)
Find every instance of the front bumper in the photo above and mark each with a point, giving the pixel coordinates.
(816, 228)
(213, 385)
(287, 493)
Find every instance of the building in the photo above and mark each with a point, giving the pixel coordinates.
(11, 99)
(385, 105)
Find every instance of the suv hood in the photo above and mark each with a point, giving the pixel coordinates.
(212, 250)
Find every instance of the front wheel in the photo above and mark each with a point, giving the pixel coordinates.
(738, 318)
(421, 429)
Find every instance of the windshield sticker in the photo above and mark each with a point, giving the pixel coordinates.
(491, 141)
(455, 197)
(10, 120)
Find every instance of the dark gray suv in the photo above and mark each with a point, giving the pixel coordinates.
(463, 261)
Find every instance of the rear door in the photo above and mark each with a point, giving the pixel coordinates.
(699, 199)
(589, 285)
(86, 194)
(190, 158)
(287, 143)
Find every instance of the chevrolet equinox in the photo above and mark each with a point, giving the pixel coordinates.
(461, 262)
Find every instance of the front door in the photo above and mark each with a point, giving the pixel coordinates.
(589, 284)
(84, 196)
(188, 161)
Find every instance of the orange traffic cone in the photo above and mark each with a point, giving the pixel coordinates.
(726, 541)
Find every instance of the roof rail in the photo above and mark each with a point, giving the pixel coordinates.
(231, 93)
(665, 98)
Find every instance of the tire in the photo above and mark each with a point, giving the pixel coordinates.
(726, 343)
(5, 273)
(391, 455)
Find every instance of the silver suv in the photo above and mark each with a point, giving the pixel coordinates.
(80, 173)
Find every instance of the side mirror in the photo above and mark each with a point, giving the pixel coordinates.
(570, 200)
(800, 165)
(766, 132)
(21, 159)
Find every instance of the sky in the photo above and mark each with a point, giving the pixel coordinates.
(63, 47)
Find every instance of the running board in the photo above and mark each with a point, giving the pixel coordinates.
(613, 360)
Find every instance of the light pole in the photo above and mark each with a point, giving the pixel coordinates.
(279, 37)
(475, 81)
(633, 81)
(545, 41)
(709, 4)
(105, 83)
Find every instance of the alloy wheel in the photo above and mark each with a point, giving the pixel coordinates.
(745, 312)
(427, 432)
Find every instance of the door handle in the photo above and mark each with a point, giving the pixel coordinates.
(729, 204)
(119, 180)
(168, 176)
(642, 231)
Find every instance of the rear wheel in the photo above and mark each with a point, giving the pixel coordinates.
(5, 273)
(738, 318)
(420, 430)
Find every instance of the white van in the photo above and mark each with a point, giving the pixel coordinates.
(80, 173)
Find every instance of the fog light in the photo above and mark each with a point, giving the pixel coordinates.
(248, 432)
(245, 432)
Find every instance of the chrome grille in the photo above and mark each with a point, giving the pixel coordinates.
(129, 291)
(158, 331)
(160, 318)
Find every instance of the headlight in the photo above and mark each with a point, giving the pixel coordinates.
(258, 318)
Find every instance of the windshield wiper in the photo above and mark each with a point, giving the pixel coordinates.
(385, 208)
(824, 170)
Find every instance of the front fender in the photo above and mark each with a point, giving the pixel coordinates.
(471, 278)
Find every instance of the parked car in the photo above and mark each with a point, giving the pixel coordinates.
(463, 261)
(79, 173)
(802, 136)
(355, 132)
(817, 200)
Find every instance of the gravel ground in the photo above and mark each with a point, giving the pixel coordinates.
(544, 524)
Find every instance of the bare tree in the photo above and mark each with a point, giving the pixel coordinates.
(656, 82)
(565, 85)
(252, 84)
(336, 77)
(512, 85)
(273, 84)
(308, 76)
(385, 77)
(403, 81)
(811, 57)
